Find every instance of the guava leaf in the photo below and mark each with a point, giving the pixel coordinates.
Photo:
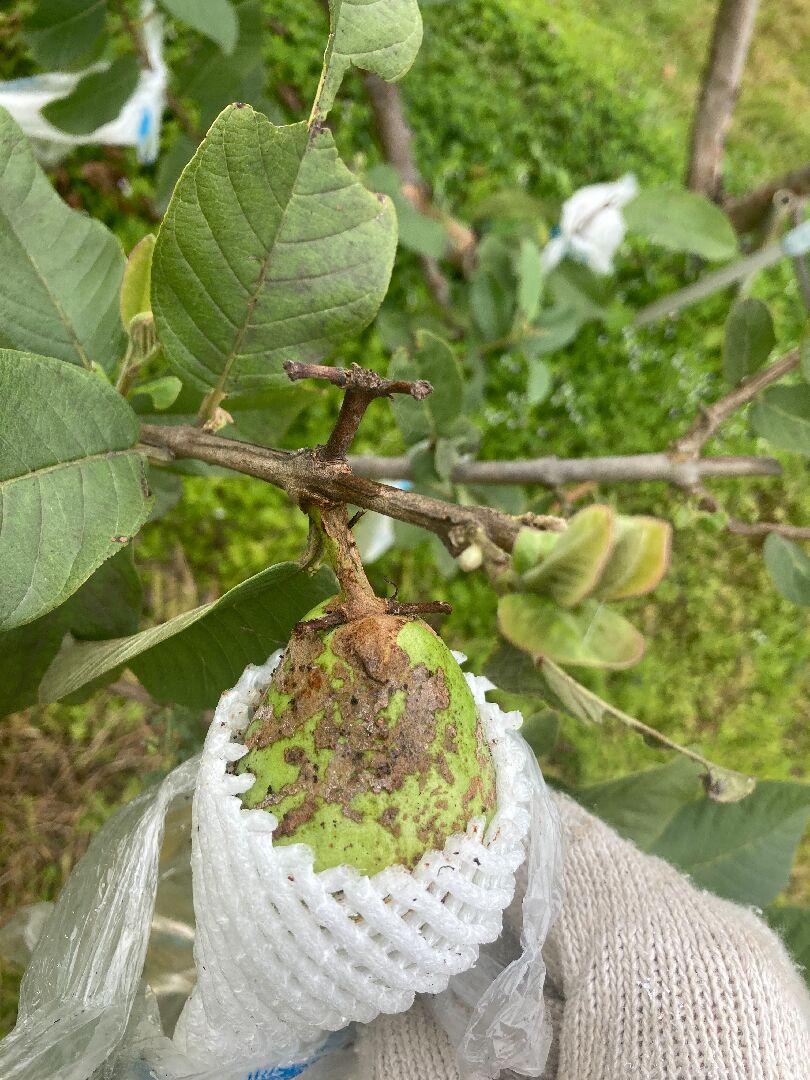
(212, 79)
(639, 806)
(573, 567)
(162, 392)
(61, 270)
(789, 568)
(72, 487)
(96, 99)
(743, 852)
(214, 19)
(748, 340)
(192, 658)
(108, 604)
(639, 559)
(63, 33)
(137, 281)
(380, 36)
(782, 416)
(532, 546)
(682, 221)
(270, 250)
(793, 926)
(592, 635)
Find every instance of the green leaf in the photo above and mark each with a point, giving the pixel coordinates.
(641, 805)
(192, 658)
(266, 416)
(530, 279)
(109, 603)
(72, 490)
(640, 558)
(514, 671)
(214, 19)
(96, 99)
(743, 852)
(682, 221)
(436, 362)
(380, 36)
(576, 288)
(793, 926)
(270, 250)
(591, 636)
(539, 382)
(782, 416)
(58, 298)
(63, 33)
(748, 340)
(576, 561)
(531, 547)
(492, 288)
(161, 392)
(541, 731)
(137, 281)
(213, 80)
(417, 232)
(166, 489)
(412, 416)
(789, 568)
(554, 328)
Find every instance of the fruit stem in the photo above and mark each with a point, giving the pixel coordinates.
(357, 598)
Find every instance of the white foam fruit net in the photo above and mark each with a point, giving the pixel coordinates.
(285, 954)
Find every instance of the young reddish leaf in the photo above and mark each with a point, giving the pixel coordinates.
(591, 636)
(640, 558)
(577, 560)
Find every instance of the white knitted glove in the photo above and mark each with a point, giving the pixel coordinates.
(648, 979)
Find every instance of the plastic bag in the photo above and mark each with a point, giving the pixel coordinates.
(138, 123)
(592, 225)
(113, 973)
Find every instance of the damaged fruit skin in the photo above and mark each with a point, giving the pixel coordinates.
(367, 745)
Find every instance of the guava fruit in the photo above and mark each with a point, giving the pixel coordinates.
(367, 746)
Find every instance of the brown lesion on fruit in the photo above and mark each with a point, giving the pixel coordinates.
(367, 749)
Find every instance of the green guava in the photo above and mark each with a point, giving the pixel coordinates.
(367, 745)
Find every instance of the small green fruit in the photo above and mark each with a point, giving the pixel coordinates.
(367, 745)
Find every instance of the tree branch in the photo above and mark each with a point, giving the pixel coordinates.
(308, 478)
(720, 87)
(554, 472)
(706, 425)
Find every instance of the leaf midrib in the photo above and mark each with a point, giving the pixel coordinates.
(105, 455)
(265, 264)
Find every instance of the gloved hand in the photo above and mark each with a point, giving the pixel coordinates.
(648, 979)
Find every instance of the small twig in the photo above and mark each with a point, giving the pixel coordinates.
(553, 472)
(750, 528)
(362, 386)
(434, 607)
(706, 425)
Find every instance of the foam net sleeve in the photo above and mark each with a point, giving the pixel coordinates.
(285, 955)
